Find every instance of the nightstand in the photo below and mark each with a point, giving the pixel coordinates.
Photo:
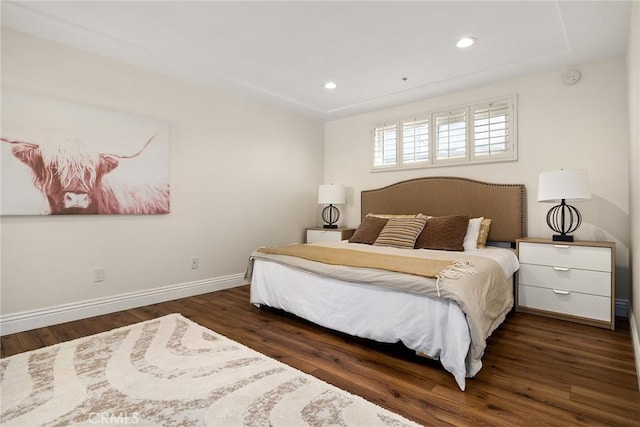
(319, 234)
(567, 280)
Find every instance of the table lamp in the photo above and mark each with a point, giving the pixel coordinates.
(331, 194)
(561, 186)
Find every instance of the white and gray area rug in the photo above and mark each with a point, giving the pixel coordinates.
(171, 371)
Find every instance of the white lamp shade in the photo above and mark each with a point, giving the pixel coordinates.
(568, 184)
(331, 194)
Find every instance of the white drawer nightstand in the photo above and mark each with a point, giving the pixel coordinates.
(319, 234)
(567, 280)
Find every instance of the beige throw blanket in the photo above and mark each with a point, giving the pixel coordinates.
(353, 258)
(485, 296)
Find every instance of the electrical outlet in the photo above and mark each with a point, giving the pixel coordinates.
(195, 262)
(98, 275)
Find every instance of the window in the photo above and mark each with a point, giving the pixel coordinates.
(415, 141)
(481, 132)
(385, 145)
(451, 135)
(491, 130)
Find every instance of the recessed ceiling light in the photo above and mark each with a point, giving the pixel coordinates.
(465, 42)
(330, 85)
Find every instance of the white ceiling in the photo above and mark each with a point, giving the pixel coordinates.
(283, 52)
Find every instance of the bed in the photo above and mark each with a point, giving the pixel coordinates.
(440, 303)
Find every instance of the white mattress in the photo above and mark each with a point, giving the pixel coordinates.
(436, 327)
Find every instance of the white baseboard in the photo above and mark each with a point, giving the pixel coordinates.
(27, 320)
(635, 341)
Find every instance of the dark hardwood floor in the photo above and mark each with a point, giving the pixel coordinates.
(537, 371)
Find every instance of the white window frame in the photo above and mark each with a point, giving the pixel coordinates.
(383, 166)
(509, 104)
(510, 150)
(444, 113)
(401, 128)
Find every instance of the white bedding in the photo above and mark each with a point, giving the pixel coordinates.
(434, 326)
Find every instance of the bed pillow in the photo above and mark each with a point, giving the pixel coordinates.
(445, 233)
(368, 230)
(473, 231)
(484, 233)
(401, 232)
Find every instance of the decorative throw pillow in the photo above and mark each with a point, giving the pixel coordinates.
(473, 231)
(401, 232)
(444, 233)
(484, 232)
(368, 230)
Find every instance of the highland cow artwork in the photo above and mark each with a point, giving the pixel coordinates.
(61, 158)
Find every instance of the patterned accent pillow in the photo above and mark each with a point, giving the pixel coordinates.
(484, 232)
(444, 233)
(369, 230)
(401, 232)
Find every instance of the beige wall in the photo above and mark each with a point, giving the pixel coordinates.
(633, 62)
(559, 126)
(232, 186)
(242, 175)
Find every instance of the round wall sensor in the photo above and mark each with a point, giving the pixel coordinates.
(571, 77)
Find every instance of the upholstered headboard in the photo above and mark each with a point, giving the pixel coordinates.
(438, 196)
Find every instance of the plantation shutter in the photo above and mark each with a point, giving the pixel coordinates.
(493, 129)
(451, 131)
(385, 145)
(480, 132)
(415, 141)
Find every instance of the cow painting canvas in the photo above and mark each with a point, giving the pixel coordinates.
(60, 158)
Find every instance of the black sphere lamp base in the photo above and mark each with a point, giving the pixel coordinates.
(563, 219)
(330, 216)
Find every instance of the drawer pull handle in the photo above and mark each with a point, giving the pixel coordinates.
(559, 292)
(562, 246)
(561, 268)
